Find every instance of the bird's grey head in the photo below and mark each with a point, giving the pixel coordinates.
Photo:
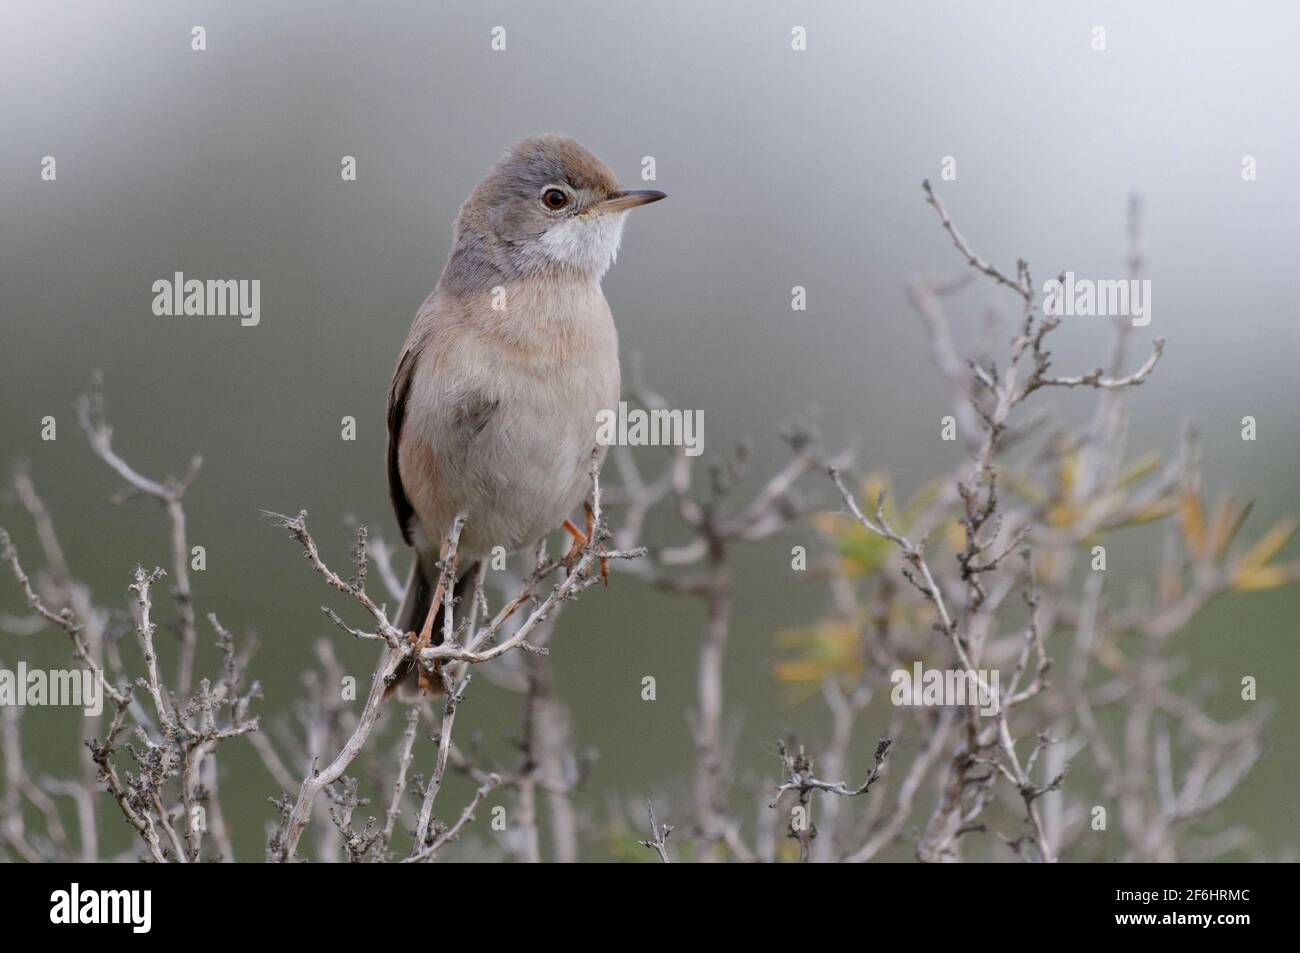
(548, 205)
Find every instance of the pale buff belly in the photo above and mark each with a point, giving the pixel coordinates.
(527, 470)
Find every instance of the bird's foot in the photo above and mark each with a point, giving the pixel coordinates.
(580, 542)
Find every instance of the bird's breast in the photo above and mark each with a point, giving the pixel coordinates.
(506, 413)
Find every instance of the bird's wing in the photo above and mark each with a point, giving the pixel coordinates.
(397, 392)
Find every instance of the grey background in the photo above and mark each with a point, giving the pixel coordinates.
(781, 168)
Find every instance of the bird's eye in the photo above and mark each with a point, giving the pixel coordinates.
(554, 199)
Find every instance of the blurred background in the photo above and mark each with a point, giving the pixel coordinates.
(782, 169)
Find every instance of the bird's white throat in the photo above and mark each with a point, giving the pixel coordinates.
(586, 242)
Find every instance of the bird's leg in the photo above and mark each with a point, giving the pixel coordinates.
(425, 638)
(604, 563)
(581, 539)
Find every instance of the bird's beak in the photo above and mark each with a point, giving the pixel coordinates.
(622, 201)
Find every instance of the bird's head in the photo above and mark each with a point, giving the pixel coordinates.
(548, 204)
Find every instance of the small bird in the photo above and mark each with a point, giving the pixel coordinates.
(492, 410)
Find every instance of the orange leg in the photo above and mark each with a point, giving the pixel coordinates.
(425, 638)
(580, 539)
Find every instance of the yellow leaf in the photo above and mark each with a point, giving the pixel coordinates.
(1157, 510)
(1227, 523)
(1069, 472)
(1193, 524)
(954, 534)
(1139, 468)
(799, 671)
(821, 650)
(1062, 514)
(1269, 545)
(1261, 577)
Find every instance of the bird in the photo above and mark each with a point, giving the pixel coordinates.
(494, 403)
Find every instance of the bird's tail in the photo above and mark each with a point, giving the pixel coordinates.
(420, 587)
